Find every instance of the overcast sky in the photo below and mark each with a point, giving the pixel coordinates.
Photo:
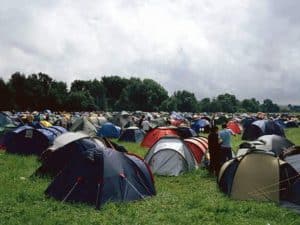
(249, 48)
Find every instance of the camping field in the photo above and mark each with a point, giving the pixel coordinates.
(192, 198)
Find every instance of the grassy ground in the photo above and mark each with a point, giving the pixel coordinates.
(192, 198)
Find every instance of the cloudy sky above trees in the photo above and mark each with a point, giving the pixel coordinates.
(249, 48)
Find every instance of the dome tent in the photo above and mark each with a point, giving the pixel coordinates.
(92, 176)
(262, 127)
(234, 126)
(57, 156)
(198, 147)
(170, 156)
(132, 134)
(185, 132)
(200, 124)
(27, 140)
(292, 156)
(155, 134)
(273, 143)
(83, 124)
(109, 130)
(258, 175)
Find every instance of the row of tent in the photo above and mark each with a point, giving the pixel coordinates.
(37, 140)
(88, 169)
(254, 174)
(93, 125)
(85, 171)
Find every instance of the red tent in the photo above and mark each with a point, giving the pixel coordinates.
(155, 134)
(201, 140)
(176, 123)
(234, 126)
(197, 147)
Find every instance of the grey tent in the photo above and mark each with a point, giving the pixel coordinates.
(57, 156)
(292, 156)
(273, 143)
(85, 125)
(97, 120)
(170, 156)
(262, 127)
(66, 138)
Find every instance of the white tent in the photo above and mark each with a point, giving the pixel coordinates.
(170, 156)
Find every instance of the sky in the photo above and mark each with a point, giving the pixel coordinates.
(249, 48)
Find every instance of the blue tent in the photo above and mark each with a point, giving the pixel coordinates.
(96, 175)
(27, 140)
(198, 124)
(132, 134)
(246, 122)
(177, 116)
(262, 127)
(186, 132)
(109, 130)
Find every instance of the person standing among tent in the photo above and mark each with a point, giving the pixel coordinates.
(214, 151)
(226, 148)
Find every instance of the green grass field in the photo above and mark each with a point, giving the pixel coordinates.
(192, 198)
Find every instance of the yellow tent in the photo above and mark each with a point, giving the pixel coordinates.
(45, 123)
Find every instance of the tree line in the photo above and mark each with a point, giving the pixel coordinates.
(113, 93)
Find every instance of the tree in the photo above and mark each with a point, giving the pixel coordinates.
(40, 91)
(58, 96)
(269, 106)
(145, 95)
(5, 96)
(80, 101)
(36, 93)
(132, 97)
(155, 95)
(169, 105)
(186, 101)
(96, 90)
(205, 105)
(228, 103)
(114, 86)
(215, 106)
(17, 84)
(250, 105)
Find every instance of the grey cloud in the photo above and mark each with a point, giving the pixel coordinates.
(247, 48)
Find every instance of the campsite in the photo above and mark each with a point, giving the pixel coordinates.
(189, 198)
(148, 112)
